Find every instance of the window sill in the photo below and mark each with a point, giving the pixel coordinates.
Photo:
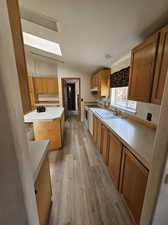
(123, 109)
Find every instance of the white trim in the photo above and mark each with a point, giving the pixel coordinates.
(121, 59)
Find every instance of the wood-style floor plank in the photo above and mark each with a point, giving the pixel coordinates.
(83, 192)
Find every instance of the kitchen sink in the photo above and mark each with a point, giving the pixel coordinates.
(104, 114)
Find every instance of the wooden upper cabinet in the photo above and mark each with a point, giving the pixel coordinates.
(100, 81)
(52, 85)
(15, 24)
(133, 184)
(104, 86)
(161, 67)
(143, 62)
(45, 85)
(114, 158)
(95, 81)
(39, 85)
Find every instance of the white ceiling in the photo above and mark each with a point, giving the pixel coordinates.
(91, 29)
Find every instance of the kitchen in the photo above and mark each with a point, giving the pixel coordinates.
(105, 166)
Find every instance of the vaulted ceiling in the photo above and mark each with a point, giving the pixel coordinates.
(96, 33)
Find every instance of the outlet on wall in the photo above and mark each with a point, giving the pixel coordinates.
(149, 117)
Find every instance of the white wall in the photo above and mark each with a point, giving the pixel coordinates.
(142, 108)
(68, 72)
(37, 67)
(17, 197)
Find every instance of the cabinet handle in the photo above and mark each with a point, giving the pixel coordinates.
(36, 191)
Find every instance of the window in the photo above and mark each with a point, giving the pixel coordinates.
(119, 99)
(43, 44)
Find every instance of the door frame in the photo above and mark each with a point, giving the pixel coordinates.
(63, 79)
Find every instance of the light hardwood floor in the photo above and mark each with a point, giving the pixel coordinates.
(83, 193)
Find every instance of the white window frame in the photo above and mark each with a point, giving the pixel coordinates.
(42, 44)
(113, 104)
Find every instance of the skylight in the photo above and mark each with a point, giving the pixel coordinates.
(42, 44)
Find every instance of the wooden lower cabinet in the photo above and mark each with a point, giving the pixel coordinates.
(114, 158)
(94, 129)
(98, 141)
(50, 130)
(104, 148)
(97, 131)
(133, 184)
(43, 193)
(128, 174)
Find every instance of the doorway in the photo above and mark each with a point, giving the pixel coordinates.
(71, 95)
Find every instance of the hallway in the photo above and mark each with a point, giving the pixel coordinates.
(83, 193)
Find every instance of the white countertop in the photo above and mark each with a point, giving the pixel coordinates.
(50, 114)
(137, 137)
(38, 151)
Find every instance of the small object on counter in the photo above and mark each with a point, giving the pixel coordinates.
(41, 109)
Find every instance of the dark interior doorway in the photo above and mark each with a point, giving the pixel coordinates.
(71, 96)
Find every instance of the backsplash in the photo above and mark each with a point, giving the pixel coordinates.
(144, 108)
(141, 110)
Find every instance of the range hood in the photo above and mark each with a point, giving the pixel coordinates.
(94, 89)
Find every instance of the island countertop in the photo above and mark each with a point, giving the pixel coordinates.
(38, 151)
(138, 138)
(51, 113)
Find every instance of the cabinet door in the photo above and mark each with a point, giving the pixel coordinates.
(51, 85)
(43, 193)
(91, 80)
(49, 130)
(94, 83)
(94, 129)
(143, 64)
(98, 141)
(97, 80)
(104, 85)
(115, 156)
(161, 67)
(104, 143)
(40, 85)
(133, 184)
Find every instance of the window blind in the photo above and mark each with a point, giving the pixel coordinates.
(120, 78)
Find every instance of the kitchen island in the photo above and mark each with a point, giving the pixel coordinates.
(48, 125)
